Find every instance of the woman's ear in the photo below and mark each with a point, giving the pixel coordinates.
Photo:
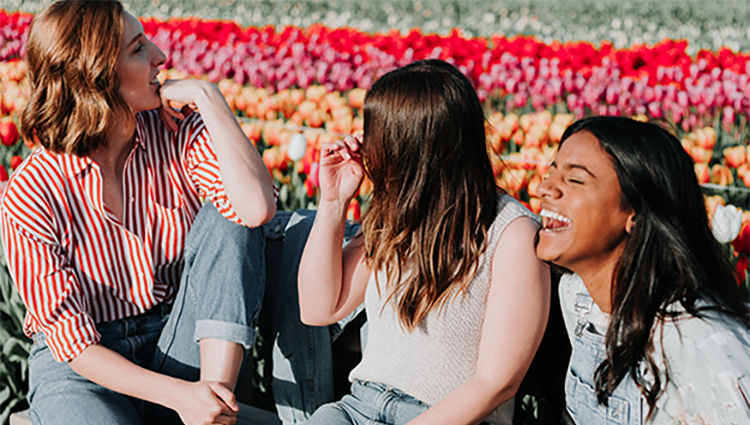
(630, 223)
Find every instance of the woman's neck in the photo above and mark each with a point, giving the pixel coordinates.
(112, 156)
(598, 281)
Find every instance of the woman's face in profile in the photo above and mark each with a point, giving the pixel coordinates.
(584, 225)
(138, 66)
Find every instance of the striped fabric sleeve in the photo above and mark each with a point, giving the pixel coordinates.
(203, 166)
(47, 286)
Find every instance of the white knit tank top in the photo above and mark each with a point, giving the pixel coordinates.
(441, 353)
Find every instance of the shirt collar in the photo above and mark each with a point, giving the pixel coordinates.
(74, 164)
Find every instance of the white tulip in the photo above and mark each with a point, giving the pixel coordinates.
(726, 223)
(297, 147)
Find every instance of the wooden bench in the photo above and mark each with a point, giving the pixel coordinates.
(249, 415)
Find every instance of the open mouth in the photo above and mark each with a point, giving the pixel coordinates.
(553, 221)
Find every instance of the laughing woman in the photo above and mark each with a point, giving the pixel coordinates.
(133, 295)
(658, 330)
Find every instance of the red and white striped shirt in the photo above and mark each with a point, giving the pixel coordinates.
(74, 263)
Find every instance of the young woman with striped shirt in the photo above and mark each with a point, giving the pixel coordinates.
(140, 306)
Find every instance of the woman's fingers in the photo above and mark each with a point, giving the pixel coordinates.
(353, 142)
(167, 118)
(225, 395)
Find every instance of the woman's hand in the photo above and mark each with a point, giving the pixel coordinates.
(341, 169)
(184, 92)
(203, 403)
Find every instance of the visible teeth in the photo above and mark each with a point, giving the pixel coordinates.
(555, 216)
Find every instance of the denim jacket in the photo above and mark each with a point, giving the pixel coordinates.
(706, 360)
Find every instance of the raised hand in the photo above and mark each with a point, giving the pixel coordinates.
(341, 170)
(186, 92)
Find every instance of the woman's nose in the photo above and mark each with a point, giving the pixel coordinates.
(548, 188)
(159, 57)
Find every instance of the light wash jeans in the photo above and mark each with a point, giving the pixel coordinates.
(224, 263)
(220, 296)
(370, 403)
(302, 362)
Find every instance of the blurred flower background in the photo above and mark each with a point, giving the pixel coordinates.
(296, 73)
(704, 24)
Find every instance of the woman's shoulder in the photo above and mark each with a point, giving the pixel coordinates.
(38, 184)
(707, 362)
(42, 170)
(712, 332)
(510, 209)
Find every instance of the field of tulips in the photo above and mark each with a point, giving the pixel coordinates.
(705, 25)
(296, 88)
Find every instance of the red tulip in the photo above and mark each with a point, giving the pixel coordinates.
(8, 132)
(15, 161)
(741, 243)
(741, 268)
(354, 211)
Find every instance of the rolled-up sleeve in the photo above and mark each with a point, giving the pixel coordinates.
(203, 166)
(47, 285)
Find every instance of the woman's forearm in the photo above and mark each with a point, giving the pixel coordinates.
(246, 179)
(321, 267)
(110, 370)
(468, 404)
(197, 403)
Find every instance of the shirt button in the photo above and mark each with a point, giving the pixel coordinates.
(132, 199)
(277, 229)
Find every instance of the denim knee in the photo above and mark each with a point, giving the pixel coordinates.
(224, 277)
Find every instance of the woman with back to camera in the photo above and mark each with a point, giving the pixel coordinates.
(95, 226)
(456, 300)
(658, 329)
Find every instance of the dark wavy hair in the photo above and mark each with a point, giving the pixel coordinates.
(72, 55)
(669, 257)
(434, 193)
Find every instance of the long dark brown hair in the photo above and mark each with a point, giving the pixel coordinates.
(434, 194)
(669, 257)
(72, 54)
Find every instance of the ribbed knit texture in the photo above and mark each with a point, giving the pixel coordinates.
(441, 353)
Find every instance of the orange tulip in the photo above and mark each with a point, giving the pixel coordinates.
(357, 98)
(535, 205)
(533, 184)
(514, 180)
(735, 156)
(297, 96)
(712, 202)
(702, 172)
(721, 175)
(701, 155)
(706, 137)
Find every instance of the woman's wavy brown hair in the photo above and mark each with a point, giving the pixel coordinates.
(72, 54)
(434, 195)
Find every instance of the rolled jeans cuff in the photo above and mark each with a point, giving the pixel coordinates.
(225, 331)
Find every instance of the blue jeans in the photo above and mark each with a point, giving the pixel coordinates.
(220, 296)
(625, 406)
(302, 363)
(370, 403)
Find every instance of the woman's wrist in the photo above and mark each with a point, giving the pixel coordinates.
(171, 392)
(333, 209)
